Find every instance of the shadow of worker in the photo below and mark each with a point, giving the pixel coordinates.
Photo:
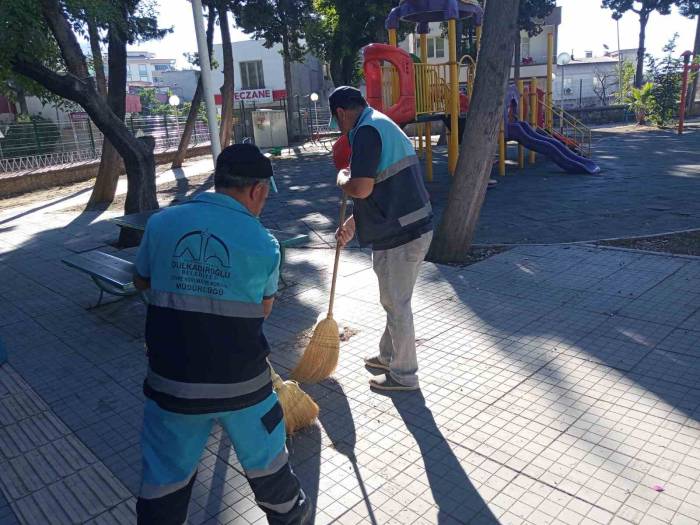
(336, 418)
(457, 499)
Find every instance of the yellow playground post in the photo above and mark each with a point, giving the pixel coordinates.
(521, 117)
(428, 127)
(453, 107)
(533, 111)
(549, 118)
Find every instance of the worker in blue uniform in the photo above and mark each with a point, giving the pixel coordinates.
(210, 271)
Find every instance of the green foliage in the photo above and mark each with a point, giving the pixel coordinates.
(666, 76)
(30, 136)
(25, 35)
(689, 8)
(641, 7)
(532, 14)
(150, 105)
(626, 82)
(337, 30)
(275, 22)
(641, 101)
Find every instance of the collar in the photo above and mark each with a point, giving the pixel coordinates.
(223, 200)
(363, 116)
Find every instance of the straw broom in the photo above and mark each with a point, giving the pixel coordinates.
(321, 355)
(299, 409)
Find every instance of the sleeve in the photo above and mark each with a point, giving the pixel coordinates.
(366, 152)
(274, 277)
(143, 258)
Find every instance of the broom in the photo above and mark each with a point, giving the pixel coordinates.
(321, 355)
(299, 409)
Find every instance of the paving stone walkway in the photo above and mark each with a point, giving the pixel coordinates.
(559, 385)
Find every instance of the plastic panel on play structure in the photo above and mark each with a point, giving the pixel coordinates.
(404, 110)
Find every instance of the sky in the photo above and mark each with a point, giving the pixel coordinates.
(585, 26)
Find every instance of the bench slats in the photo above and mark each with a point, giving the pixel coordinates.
(113, 270)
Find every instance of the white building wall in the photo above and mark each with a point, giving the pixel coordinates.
(273, 66)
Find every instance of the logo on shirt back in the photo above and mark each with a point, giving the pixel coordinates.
(201, 263)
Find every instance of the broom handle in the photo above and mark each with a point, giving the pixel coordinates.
(343, 207)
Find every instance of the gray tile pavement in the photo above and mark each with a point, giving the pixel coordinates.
(559, 385)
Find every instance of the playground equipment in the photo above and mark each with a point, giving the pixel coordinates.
(409, 90)
(536, 139)
(415, 91)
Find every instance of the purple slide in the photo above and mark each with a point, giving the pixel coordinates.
(566, 159)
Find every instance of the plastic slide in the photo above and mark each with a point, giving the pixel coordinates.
(560, 154)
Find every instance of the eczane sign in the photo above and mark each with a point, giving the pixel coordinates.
(253, 95)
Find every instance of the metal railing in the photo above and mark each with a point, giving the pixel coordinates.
(35, 145)
(569, 127)
(432, 88)
(468, 62)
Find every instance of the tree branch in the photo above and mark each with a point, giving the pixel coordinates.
(66, 39)
(98, 63)
(65, 85)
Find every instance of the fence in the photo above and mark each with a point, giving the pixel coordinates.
(40, 144)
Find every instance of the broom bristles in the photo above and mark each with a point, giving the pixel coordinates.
(300, 411)
(321, 355)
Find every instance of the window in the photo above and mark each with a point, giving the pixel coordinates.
(143, 72)
(524, 46)
(162, 67)
(252, 75)
(436, 47)
(128, 72)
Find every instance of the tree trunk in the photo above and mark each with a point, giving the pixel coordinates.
(348, 70)
(196, 102)
(227, 89)
(97, 61)
(456, 230)
(694, 85)
(110, 168)
(517, 59)
(190, 123)
(22, 100)
(336, 67)
(141, 194)
(288, 83)
(639, 75)
(77, 85)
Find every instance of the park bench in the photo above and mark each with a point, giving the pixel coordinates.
(114, 276)
(111, 274)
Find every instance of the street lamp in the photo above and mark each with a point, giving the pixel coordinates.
(314, 99)
(174, 101)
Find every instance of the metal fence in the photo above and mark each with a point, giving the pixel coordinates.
(41, 144)
(33, 145)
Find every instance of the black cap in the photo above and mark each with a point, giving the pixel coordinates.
(241, 160)
(346, 97)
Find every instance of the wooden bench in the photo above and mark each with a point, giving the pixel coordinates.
(111, 274)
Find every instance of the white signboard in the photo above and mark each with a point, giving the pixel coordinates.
(249, 96)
